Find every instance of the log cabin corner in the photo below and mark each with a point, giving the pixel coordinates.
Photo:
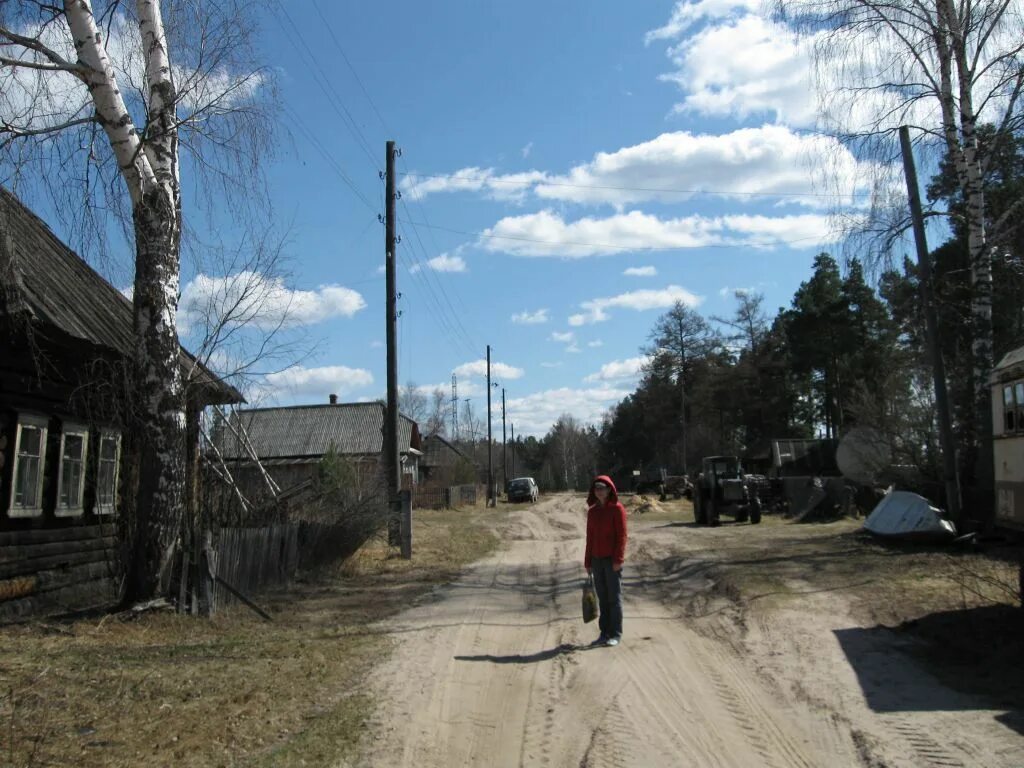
(66, 455)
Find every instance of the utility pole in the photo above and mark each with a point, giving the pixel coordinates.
(455, 409)
(393, 469)
(490, 457)
(924, 262)
(513, 426)
(504, 455)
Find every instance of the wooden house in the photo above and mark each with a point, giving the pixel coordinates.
(66, 341)
(291, 441)
(443, 464)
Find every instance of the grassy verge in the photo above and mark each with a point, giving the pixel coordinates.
(235, 690)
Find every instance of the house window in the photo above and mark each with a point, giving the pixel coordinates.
(1019, 389)
(1009, 412)
(71, 484)
(30, 460)
(106, 473)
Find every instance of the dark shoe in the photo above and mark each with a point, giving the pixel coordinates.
(611, 642)
(601, 640)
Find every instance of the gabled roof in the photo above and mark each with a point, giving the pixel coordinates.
(438, 452)
(1010, 366)
(53, 285)
(303, 431)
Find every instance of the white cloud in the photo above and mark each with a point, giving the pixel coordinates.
(498, 370)
(565, 337)
(535, 413)
(573, 347)
(640, 272)
(443, 263)
(619, 370)
(596, 309)
(685, 14)
(526, 150)
(595, 343)
(319, 382)
(551, 365)
(376, 344)
(531, 318)
(546, 233)
(509, 186)
(744, 67)
(767, 160)
(263, 302)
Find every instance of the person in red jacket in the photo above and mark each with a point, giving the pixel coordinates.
(605, 552)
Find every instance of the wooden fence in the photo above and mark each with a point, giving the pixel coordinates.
(447, 497)
(252, 560)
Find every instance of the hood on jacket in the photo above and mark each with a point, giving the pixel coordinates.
(613, 494)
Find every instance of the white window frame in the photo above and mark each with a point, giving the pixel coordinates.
(105, 434)
(78, 430)
(42, 424)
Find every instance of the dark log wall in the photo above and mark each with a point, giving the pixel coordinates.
(57, 570)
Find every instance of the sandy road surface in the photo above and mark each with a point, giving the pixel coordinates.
(495, 670)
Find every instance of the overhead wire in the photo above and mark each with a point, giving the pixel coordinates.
(324, 82)
(332, 162)
(418, 269)
(337, 44)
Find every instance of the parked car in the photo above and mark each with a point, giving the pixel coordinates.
(523, 489)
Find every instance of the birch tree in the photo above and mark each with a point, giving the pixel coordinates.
(100, 99)
(941, 67)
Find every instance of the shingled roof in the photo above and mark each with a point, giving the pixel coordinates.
(307, 431)
(438, 452)
(53, 285)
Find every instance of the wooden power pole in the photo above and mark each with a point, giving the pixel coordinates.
(952, 477)
(392, 464)
(490, 454)
(504, 449)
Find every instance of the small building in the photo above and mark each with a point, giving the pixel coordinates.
(291, 441)
(66, 341)
(443, 464)
(1008, 438)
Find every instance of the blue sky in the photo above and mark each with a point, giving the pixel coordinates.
(501, 112)
(568, 171)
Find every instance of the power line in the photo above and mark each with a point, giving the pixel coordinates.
(430, 274)
(324, 83)
(332, 162)
(337, 44)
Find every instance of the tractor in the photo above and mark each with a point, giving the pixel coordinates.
(722, 489)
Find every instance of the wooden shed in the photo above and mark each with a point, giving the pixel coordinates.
(66, 341)
(290, 442)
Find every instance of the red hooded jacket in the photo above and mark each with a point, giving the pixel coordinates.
(606, 525)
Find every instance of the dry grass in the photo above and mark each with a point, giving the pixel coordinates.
(171, 690)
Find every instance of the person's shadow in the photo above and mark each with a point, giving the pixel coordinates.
(518, 658)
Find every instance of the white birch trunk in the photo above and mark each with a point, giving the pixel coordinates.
(150, 170)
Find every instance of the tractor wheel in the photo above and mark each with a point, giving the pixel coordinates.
(742, 514)
(713, 514)
(755, 511)
(699, 509)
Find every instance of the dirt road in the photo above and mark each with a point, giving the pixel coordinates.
(496, 670)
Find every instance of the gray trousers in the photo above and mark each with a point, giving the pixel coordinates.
(608, 585)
